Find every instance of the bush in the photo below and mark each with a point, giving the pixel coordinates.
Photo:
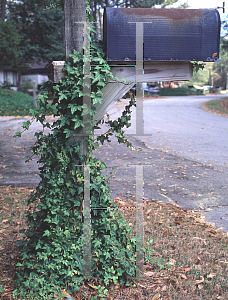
(14, 103)
(181, 91)
(26, 85)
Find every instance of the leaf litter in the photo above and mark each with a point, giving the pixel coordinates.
(187, 260)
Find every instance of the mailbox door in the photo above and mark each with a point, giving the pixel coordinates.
(169, 34)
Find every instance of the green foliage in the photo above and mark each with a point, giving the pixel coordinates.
(197, 66)
(14, 103)
(26, 85)
(9, 43)
(181, 91)
(1, 289)
(40, 30)
(52, 250)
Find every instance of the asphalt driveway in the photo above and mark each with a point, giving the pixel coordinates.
(184, 161)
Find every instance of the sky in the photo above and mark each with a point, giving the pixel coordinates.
(202, 3)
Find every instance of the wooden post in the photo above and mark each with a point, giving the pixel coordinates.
(75, 15)
(75, 18)
(34, 93)
(75, 26)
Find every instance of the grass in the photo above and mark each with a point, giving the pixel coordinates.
(217, 106)
(186, 258)
(14, 103)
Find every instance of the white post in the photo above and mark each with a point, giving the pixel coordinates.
(34, 93)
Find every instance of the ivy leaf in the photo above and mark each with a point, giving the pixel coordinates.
(74, 107)
(26, 125)
(101, 139)
(69, 133)
(62, 96)
(77, 122)
(18, 133)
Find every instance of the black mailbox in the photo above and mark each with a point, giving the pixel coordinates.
(169, 34)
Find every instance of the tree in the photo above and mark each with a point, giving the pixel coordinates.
(220, 68)
(9, 43)
(9, 39)
(41, 31)
(3, 9)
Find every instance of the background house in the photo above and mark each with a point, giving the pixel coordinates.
(36, 72)
(8, 77)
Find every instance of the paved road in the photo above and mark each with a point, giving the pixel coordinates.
(13, 169)
(185, 158)
(184, 161)
(179, 126)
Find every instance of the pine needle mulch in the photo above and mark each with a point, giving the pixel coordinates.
(188, 257)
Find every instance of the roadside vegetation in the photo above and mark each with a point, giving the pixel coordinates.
(180, 91)
(14, 103)
(185, 257)
(217, 106)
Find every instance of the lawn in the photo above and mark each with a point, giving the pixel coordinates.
(14, 103)
(187, 258)
(217, 106)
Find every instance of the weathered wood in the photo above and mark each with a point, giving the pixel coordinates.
(75, 15)
(153, 71)
(112, 92)
(55, 71)
(156, 71)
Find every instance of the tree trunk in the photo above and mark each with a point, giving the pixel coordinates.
(3, 9)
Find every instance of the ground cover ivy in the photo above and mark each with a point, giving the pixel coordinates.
(52, 250)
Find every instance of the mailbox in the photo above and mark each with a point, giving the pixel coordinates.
(169, 34)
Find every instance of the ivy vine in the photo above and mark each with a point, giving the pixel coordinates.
(52, 249)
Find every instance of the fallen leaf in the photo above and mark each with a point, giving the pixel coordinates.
(200, 286)
(186, 269)
(65, 293)
(143, 286)
(220, 228)
(211, 275)
(149, 274)
(164, 288)
(172, 261)
(199, 281)
(166, 232)
(157, 296)
(93, 286)
(183, 276)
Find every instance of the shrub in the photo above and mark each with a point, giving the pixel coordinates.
(14, 103)
(181, 91)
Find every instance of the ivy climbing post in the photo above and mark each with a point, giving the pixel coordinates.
(62, 246)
